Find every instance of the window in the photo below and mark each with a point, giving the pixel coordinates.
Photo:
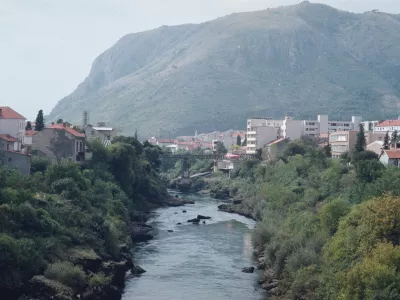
(8, 146)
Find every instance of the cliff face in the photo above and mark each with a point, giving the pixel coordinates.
(299, 60)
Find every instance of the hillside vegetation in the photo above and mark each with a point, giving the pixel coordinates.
(327, 230)
(65, 231)
(299, 60)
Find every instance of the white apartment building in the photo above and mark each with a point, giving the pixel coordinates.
(12, 123)
(388, 126)
(261, 131)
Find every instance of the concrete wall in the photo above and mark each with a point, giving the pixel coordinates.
(16, 160)
(15, 128)
(56, 144)
(323, 123)
(292, 129)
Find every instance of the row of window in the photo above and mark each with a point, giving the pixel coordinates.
(339, 124)
(339, 148)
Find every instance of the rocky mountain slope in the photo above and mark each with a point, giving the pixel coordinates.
(297, 60)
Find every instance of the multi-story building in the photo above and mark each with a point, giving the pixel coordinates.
(388, 126)
(13, 124)
(342, 141)
(370, 125)
(261, 131)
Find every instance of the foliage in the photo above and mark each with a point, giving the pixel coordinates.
(220, 148)
(28, 125)
(66, 273)
(386, 141)
(64, 206)
(239, 140)
(39, 126)
(361, 141)
(318, 228)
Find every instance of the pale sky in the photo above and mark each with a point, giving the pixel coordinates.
(47, 46)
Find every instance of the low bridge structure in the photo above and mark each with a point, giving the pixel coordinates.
(218, 160)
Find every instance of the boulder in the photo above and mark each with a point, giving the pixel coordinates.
(223, 207)
(141, 232)
(203, 217)
(179, 223)
(204, 222)
(194, 221)
(248, 270)
(184, 211)
(170, 230)
(237, 201)
(136, 270)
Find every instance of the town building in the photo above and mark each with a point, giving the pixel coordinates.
(28, 139)
(261, 131)
(59, 141)
(101, 131)
(375, 147)
(341, 142)
(388, 126)
(13, 124)
(7, 142)
(390, 157)
(370, 125)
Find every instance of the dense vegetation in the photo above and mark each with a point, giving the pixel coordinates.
(300, 60)
(63, 222)
(329, 229)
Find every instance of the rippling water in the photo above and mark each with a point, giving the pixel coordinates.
(196, 261)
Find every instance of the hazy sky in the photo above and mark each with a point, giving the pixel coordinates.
(47, 46)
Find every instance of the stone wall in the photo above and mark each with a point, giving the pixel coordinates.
(16, 160)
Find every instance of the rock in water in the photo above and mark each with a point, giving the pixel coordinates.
(179, 223)
(194, 221)
(184, 211)
(203, 217)
(170, 230)
(248, 270)
(136, 270)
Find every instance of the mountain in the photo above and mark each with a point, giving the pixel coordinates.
(297, 60)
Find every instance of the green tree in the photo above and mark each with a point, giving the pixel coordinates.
(360, 142)
(28, 126)
(239, 140)
(328, 150)
(245, 141)
(136, 135)
(394, 138)
(39, 121)
(386, 141)
(220, 148)
(60, 121)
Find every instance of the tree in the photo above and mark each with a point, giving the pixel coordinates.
(136, 135)
(395, 138)
(220, 149)
(60, 121)
(39, 121)
(245, 141)
(28, 126)
(361, 142)
(239, 140)
(328, 150)
(386, 141)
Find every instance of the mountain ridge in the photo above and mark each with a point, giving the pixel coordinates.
(297, 60)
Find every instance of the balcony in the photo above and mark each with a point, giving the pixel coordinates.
(250, 151)
(251, 145)
(252, 132)
(251, 139)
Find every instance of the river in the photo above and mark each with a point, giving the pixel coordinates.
(201, 262)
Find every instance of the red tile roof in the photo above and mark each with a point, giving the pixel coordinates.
(67, 129)
(388, 123)
(393, 154)
(8, 138)
(171, 141)
(30, 132)
(8, 113)
(276, 141)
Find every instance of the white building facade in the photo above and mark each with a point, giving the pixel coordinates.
(12, 123)
(388, 126)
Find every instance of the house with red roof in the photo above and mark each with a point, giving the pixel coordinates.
(390, 157)
(59, 141)
(388, 126)
(12, 123)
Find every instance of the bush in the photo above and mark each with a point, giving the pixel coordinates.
(66, 273)
(99, 280)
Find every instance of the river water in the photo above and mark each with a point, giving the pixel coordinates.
(201, 262)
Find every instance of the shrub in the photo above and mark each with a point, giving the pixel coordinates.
(66, 273)
(99, 280)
